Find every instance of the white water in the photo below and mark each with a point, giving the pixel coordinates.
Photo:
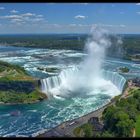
(90, 76)
(63, 84)
(83, 91)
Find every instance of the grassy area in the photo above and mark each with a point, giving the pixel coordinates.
(17, 86)
(13, 72)
(13, 97)
(137, 126)
(78, 132)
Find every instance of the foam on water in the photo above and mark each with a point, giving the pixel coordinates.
(62, 86)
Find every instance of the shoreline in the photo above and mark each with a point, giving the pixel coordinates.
(34, 47)
(43, 132)
(33, 102)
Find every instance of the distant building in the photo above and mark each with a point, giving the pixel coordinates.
(97, 126)
(136, 82)
(130, 83)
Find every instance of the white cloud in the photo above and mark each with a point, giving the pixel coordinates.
(137, 3)
(121, 12)
(17, 25)
(80, 17)
(16, 20)
(10, 16)
(51, 3)
(113, 5)
(111, 25)
(40, 16)
(28, 14)
(2, 8)
(13, 11)
(67, 26)
(23, 18)
(84, 3)
(56, 25)
(138, 12)
(106, 25)
(122, 25)
(38, 19)
(72, 25)
(84, 25)
(52, 26)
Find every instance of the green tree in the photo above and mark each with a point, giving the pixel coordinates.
(136, 94)
(131, 110)
(108, 117)
(116, 117)
(107, 134)
(88, 130)
(138, 106)
(122, 103)
(107, 114)
(124, 128)
(132, 101)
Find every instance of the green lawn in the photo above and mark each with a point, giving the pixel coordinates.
(137, 125)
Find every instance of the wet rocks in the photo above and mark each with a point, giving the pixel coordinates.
(49, 69)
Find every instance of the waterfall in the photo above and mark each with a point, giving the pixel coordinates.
(53, 82)
(89, 76)
(117, 79)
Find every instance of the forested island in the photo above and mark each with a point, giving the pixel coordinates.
(17, 86)
(124, 69)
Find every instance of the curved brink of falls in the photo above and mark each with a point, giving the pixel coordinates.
(70, 81)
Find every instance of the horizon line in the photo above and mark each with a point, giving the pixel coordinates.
(56, 33)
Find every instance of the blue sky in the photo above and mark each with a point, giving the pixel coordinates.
(69, 17)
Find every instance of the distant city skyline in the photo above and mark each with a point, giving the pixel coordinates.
(49, 18)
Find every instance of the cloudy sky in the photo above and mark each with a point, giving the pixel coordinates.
(68, 17)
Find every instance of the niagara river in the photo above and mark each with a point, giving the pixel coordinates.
(50, 113)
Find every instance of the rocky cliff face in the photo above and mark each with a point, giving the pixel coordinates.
(17, 86)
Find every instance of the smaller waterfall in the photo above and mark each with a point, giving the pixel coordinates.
(54, 82)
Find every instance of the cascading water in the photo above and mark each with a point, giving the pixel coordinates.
(89, 76)
(49, 85)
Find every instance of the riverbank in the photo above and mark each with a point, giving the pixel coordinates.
(65, 129)
(33, 102)
(17, 86)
